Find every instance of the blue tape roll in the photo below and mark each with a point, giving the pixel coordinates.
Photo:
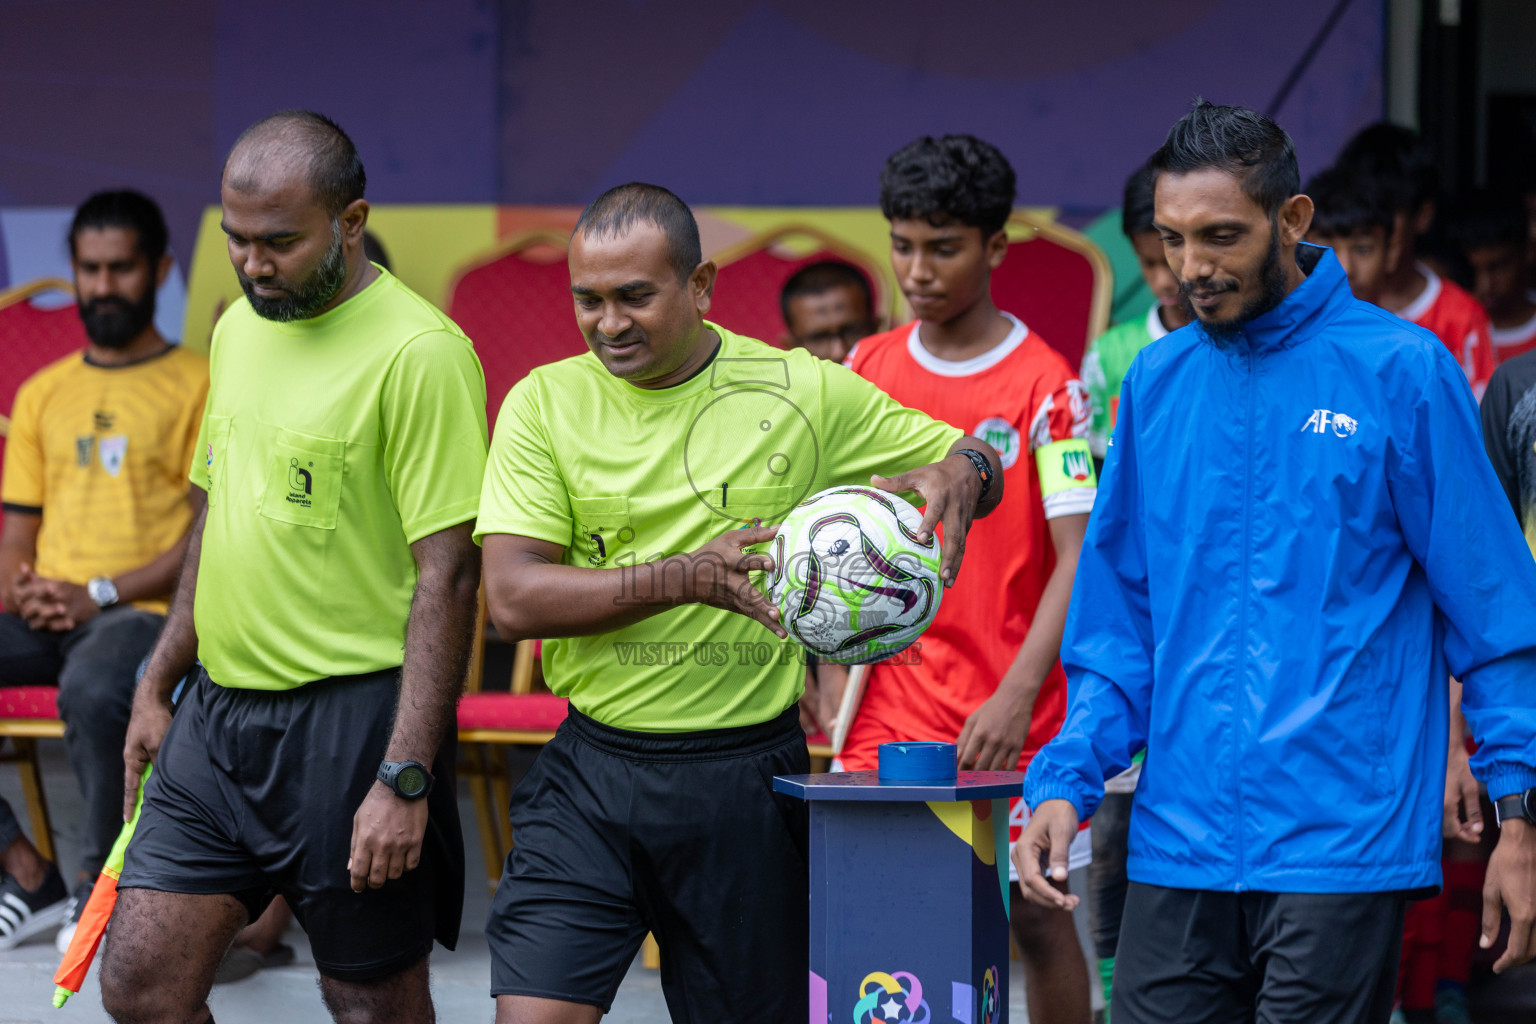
(917, 762)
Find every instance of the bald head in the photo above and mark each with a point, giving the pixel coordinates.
(300, 145)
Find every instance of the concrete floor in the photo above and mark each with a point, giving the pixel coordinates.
(460, 979)
(289, 995)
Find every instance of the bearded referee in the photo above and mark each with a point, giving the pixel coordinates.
(624, 490)
(329, 592)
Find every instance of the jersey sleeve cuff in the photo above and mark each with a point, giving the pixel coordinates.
(1506, 778)
(539, 530)
(1073, 501)
(16, 506)
(441, 519)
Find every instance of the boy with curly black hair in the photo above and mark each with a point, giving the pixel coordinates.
(988, 677)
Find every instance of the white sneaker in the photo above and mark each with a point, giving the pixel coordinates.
(72, 921)
(25, 914)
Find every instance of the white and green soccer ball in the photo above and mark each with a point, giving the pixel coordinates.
(850, 579)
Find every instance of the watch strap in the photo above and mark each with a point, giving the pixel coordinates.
(983, 469)
(1511, 806)
(390, 771)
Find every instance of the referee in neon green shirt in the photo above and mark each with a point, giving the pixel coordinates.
(329, 593)
(624, 491)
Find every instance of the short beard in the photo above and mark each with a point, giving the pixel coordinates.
(1226, 333)
(114, 321)
(311, 295)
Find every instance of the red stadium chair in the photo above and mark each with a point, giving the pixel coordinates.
(516, 307)
(518, 717)
(1058, 282)
(30, 338)
(752, 274)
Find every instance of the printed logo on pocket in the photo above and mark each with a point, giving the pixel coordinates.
(300, 483)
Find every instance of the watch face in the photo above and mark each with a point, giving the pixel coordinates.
(412, 780)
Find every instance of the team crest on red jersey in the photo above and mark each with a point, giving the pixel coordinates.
(1002, 435)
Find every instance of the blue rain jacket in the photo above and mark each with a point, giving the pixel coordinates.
(1296, 540)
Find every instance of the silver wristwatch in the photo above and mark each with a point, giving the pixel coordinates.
(103, 591)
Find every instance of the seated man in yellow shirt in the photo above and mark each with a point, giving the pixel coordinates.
(97, 508)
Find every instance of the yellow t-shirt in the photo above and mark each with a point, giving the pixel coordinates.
(101, 453)
(621, 476)
(330, 446)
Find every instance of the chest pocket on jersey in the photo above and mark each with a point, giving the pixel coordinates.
(754, 506)
(601, 526)
(303, 484)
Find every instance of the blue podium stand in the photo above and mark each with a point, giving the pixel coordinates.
(909, 896)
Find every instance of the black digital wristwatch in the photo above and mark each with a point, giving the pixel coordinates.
(1516, 805)
(409, 779)
(983, 470)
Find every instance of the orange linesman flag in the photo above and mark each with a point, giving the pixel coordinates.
(98, 911)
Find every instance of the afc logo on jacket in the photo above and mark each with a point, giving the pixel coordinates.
(1323, 420)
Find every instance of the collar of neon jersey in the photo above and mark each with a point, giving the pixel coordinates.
(331, 317)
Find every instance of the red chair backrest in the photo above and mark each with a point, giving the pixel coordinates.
(517, 310)
(31, 338)
(752, 275)
(1053, 283)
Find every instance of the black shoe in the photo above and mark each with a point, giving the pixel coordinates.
(25, 914)
(240, 962)
(76, 908)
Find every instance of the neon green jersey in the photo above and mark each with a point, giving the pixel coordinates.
(329, 446)
(1105, 363)
(621, 476)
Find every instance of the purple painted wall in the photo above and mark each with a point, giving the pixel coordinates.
(413, 83)
(773, 102)
(151, 95)
(100, 95)
(800, 101)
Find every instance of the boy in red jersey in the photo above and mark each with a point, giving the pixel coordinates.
(1393, 159)
(1392, 162)
(987, 674)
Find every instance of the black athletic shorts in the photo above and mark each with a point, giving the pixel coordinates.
(617, 832)
(1202, 957)
(253, 795)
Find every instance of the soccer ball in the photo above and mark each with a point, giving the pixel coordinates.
(851, 582)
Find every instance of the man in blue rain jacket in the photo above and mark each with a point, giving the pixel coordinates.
(1294, 546)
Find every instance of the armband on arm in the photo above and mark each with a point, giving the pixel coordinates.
(1067, 480)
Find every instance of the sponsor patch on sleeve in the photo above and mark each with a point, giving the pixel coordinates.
(1064, 465)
